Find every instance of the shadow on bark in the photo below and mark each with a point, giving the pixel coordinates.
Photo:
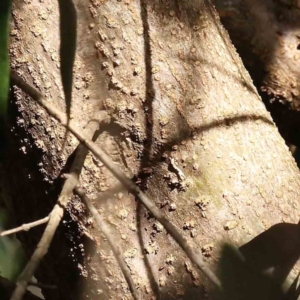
(241, 282)
(264, 266)
(146, 159)
(260, 272)
(182, 135)
(276, 249)
(266, 35)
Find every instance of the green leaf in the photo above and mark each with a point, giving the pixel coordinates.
(68, 28)
(5, 11)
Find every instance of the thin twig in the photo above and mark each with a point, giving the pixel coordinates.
(55, 216)
(109, 236)
(194, 255)
(7, 286)
(25, 227)
(42, 285)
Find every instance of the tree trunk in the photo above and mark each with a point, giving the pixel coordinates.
(188, 127)
(266, 35)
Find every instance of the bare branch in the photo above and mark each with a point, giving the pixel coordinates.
(194, 255)
(25, 227)
(42, 285)
(55, 216)
(106, 231)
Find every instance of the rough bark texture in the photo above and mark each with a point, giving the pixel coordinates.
(189, 127)
(267, 36)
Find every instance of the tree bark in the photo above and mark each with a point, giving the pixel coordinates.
(189, 128)
(266, 35)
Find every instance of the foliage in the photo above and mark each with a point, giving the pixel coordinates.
(5, 11)
(11, 254)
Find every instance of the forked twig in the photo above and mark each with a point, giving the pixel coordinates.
(55, 216)
(25, 227)
(108, 235)
(194, 255)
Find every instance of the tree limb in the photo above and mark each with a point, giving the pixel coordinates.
(194, 255)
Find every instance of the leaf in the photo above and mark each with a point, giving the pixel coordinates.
(5, 12)
(68, 31)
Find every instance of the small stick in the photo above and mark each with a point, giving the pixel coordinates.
(42, 285)
(25, 227)
(106, 231)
